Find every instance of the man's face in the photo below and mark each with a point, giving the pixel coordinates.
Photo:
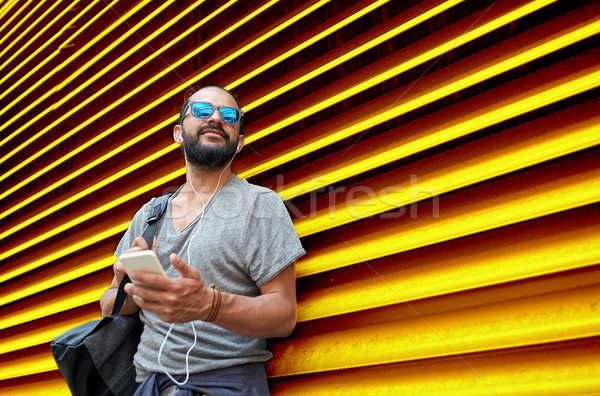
(210, 142)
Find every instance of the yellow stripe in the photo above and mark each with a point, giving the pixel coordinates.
(58, 68)
(462, 39)
(21, 20)
(521, 260)
(45, 335)
(6, 8)
(306, 227)
(43, 45)
(552, 145)
(53, 386)
(66, 275)
(400, 150)
(143, 110)
(51, 56)
(40, 363)
(113, 105)
(517, 206)
(34, 24)
(345, 57)
(38, 65)
(91, 165)
(550, 96)
(305, 44)
(554, 369)
(73, 247)
(551, 317)
(512, 62)
(45, 42)
(55, 305)
(67, 225)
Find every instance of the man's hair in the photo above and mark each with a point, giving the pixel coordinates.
(191, 92)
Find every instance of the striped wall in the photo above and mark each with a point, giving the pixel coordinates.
(440, 161)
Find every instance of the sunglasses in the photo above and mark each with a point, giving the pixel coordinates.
(204, 110)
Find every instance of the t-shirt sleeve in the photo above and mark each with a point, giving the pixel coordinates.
(273, 242)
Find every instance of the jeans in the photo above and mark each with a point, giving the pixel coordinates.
(244, 380)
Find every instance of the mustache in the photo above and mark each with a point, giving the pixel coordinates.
(215, 127)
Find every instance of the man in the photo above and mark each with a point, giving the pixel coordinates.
(217, 229)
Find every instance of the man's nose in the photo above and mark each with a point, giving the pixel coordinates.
(215, 117)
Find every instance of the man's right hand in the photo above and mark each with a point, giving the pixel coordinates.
(138, 245)
(108, 297)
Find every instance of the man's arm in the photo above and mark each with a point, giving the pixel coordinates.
(108, 297)
(107, 301)
(272, 314)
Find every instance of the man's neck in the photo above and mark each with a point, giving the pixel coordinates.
(200, 186)
(205, 181)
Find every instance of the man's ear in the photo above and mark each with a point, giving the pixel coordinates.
(240, 144)
(177, 134)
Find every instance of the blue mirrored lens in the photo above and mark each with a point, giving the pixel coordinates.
(205, 110)
(202, 110)
(229, 115)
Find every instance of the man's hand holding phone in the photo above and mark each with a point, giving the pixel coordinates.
(143, 260)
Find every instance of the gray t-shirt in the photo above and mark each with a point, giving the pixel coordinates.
(244, 239)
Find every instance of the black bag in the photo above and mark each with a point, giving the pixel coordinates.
(96, 358)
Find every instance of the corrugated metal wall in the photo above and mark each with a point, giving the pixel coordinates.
(440, 160)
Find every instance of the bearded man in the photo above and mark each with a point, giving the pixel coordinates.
(217, 230)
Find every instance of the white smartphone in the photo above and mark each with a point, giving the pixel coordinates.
(144, 260)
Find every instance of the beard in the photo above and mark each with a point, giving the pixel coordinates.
(208, 155)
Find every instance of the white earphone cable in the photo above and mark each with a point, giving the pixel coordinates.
(187, 370)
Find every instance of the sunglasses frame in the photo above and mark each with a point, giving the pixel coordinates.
(214, 108)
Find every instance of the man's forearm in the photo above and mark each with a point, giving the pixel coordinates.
(107, 301)
(187, 298)
(264, 316)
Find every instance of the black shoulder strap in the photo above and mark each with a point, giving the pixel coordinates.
(157, 208)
